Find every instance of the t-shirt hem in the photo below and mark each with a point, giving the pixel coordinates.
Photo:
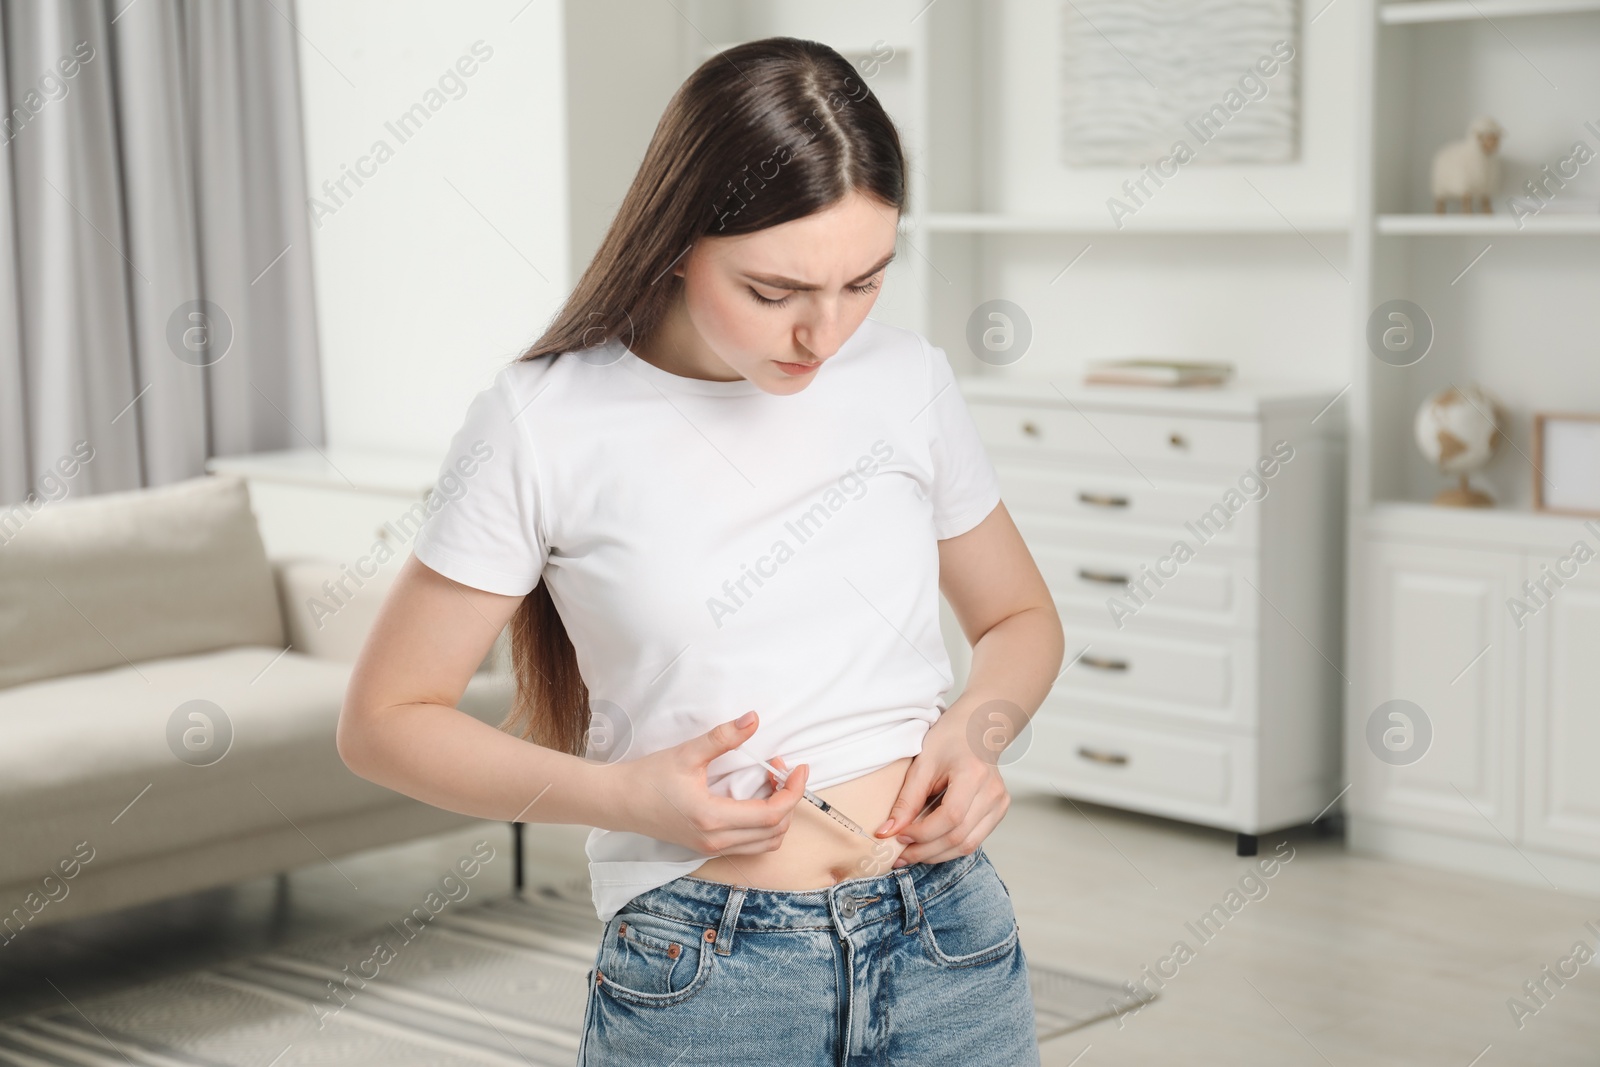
(967, 519)
(473, 574)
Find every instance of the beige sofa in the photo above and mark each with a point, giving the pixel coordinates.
(117, 613)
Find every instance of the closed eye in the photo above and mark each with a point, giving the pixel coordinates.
(763, 300)
(863, 290)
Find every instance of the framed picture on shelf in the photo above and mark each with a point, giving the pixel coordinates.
(1566, 455)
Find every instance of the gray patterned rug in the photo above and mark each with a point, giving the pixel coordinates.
(498, 982)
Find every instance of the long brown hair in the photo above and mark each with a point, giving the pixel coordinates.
(760, 134)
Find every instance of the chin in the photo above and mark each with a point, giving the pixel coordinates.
(784, 385)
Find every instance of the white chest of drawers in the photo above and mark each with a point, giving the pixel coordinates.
(1193, 543)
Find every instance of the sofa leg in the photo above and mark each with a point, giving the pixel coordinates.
(280, 899)
(516, 855)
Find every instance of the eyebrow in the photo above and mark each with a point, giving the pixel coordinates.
(778, 281)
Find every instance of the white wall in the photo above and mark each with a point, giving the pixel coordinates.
(1275, 305)
(618, 84)
(453, 254)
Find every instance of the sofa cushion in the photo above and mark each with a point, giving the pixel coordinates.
(92, 757)
(121, 578)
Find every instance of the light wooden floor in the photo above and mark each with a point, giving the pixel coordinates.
(1344, 960)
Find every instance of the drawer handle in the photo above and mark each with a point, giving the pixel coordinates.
(1084, 574)
(1030, 428)
(1115, 759)
(1177, 440)
(1103, 500)
(1100, 664)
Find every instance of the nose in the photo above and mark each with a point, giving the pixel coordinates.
(822, 333)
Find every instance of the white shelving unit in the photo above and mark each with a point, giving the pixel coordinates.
(1218, 223)
(1505, 785)
(1397, 14)
(1488, 225)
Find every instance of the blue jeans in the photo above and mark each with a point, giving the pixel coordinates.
(921, 965)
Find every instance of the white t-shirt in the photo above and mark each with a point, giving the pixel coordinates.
(714, 548)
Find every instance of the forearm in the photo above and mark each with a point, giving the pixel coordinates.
(1015, 662)
(445, 757)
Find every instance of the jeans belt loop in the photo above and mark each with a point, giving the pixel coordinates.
(730, 915)
(908, 897)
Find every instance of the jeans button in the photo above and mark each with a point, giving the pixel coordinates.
(848, 907)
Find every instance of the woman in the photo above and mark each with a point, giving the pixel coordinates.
(714, 486)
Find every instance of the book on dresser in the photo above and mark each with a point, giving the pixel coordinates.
(1193, 543)
(1159, 373)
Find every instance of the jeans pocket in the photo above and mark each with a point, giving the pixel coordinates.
(970, 921)
(652, 961)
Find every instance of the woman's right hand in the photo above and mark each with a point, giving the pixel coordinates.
(666, 797)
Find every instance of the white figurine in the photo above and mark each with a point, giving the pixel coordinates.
(1469, 168)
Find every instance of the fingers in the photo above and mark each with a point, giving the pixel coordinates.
(725, 737)
(934, 829)
(740, 842)
(754, 825)
(794, 790)
(964, 843)
(761, 813)
(947, 813)
(936, 832)
(913, 797)
(748, 841)
(950, 837)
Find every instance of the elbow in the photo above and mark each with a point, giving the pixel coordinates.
(1055, 635)
(348, 739)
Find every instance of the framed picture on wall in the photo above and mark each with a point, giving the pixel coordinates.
(1566, 453)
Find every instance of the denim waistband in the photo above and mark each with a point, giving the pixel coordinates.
(723, 908)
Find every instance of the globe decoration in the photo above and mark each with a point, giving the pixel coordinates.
(1459, 431)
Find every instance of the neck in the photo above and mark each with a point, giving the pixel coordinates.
(677, 347)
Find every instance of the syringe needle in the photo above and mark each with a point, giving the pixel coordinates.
(831, 811)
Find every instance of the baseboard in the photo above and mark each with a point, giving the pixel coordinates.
(1519, 865)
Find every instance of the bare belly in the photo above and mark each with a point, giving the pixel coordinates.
(817, 852)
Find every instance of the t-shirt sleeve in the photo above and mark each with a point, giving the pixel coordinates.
(965, 486)
(484, 527)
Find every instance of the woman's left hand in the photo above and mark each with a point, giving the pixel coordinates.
(975, 797)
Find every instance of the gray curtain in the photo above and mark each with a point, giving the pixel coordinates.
(155, 268)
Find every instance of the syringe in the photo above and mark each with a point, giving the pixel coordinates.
(827, 809)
